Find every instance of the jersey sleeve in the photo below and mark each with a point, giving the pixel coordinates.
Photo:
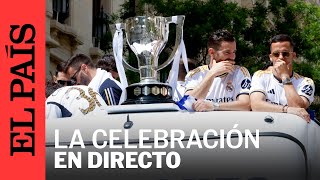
(192, 80)
(257, 84)
(306, 88)
(110, 92)
(243, 81)
(52, 111)
(53, 106)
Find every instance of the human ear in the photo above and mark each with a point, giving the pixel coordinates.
(294, 55)
(270, 57)
(211, 51)
(54, 78)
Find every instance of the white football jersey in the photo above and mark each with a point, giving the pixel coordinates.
(226, 87)
(74, 101)
(266, 83)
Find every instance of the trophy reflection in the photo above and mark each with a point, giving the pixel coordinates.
(147, 37)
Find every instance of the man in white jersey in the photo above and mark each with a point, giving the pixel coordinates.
(81, 70)
(279, 89)
(221, 85)
(74, 101)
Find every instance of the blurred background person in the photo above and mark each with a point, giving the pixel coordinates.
(180, 88)
(108, 63)
(51, 86)
(60, 77)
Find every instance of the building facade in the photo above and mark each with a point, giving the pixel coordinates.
(75, 26)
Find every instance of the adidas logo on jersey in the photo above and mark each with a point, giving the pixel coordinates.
(271, 91)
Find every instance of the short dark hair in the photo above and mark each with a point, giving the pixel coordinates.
(108, 63)
(218, 36)
(76, 61)
(59, 68)
(282, 38)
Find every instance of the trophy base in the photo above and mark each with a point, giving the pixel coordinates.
(148, 93)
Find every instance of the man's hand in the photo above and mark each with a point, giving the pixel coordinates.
(299, 112)
(203, 105)
(281, 69)
(221, 67)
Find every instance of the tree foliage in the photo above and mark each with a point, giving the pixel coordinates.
(253, 27)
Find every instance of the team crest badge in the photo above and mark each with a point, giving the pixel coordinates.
(229, 86)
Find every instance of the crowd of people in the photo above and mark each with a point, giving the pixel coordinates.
(220, 85)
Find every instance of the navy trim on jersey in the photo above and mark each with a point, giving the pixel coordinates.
(110, 92)
(258, 91)
(280, 80)
(242, 94)
(306, 98)
(188, 90)
(64, 111)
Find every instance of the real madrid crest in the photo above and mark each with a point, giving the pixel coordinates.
(229, 87)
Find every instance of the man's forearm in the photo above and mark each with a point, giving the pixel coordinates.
(267, 107)
(201, 91)
(293, 98)
(235, 106)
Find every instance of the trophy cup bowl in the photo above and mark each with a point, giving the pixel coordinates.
(147, 37)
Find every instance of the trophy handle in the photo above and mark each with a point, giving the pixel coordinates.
(128, 66)
(114, 29)
(178, 20)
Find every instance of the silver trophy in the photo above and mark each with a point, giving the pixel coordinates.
(147, 37)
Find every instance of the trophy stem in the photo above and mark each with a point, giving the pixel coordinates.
(148, 73)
